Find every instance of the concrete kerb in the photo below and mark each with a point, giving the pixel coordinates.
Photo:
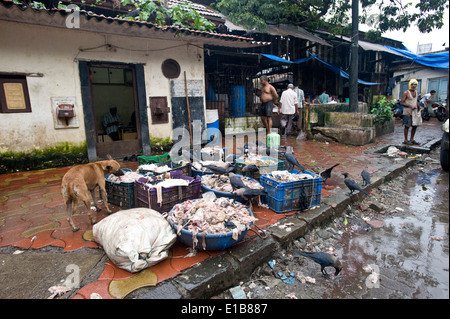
(221, 272)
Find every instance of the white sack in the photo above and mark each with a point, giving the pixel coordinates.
(135, 239)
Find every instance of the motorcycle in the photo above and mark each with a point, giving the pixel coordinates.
(440, 110)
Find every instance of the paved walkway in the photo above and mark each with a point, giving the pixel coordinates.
(33, 215)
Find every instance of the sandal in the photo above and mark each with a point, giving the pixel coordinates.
(407, 143)
(414, 142)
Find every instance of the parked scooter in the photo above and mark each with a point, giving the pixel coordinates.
(440, 109)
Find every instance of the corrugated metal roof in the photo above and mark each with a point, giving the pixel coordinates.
(114, 25)
(282, 30)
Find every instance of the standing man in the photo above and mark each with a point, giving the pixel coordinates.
(301, 101)
(324, 98)
(410, 106)
(289, 107)
(268, 97)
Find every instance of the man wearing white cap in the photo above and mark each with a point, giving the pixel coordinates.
(289, 107)
(411, 112)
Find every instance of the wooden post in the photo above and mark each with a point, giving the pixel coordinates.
(188, 109)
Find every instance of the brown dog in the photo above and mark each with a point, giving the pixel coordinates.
(82, 179)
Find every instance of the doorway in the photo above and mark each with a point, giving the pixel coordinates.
(108, 88)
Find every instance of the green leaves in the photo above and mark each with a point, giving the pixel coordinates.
(383, 110)
(383, 15)
(181, 15)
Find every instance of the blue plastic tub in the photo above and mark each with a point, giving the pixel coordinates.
(213, 241)
(286, 197)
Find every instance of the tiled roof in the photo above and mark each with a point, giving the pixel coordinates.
(117, 25)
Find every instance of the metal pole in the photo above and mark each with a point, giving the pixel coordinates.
(354, 58)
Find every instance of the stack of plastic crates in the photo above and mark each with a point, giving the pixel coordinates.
(290, 196)
(147, 194)
(120, 194)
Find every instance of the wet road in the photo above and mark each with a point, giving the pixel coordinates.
(410, 254)
(406, 258)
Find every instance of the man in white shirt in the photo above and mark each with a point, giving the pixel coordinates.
(301, 101)
(288, 108)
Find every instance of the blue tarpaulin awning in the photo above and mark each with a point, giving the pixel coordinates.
(335, 69)
(434, 60)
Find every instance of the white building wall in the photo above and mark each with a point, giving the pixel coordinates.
(55, 52)
(419, 73)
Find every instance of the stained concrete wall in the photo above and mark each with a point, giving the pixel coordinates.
(55, 52)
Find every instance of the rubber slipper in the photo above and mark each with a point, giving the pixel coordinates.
(407, 143)
(414, 142)
(119, 289)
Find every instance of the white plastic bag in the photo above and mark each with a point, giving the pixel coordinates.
(416, 117)
(135, 239)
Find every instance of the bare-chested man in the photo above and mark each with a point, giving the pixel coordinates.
(268, 97)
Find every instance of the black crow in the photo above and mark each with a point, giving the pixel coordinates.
(326, 174)
(235, 181)
(248, 193)
(220, 170)
(352, 185)
(250, 168)
(323, 259)
(365, 176)
(294, 162)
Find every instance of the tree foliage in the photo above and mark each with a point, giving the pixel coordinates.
(182, 14)
(156, 11)
(381, 15)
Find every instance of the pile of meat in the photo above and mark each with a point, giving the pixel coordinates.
(286, 176)
(127, 177)
(207, 216)
(222, 184)
(259, 160)
(154, 168)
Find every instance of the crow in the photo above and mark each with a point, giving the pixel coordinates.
(249, 33)
(235, 181)
(220, 170)
(352, 186)
(323, 259)
(248, 193)
(326, 174)
(294, 162)
(365, 176)
(251, 168)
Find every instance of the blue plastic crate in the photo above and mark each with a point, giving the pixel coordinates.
(285, 197)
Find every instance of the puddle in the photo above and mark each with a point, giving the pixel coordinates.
(410, 253)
